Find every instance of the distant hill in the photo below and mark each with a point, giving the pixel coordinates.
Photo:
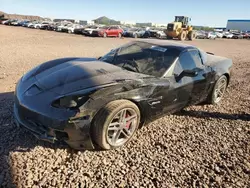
(106, 21)
(5, 16)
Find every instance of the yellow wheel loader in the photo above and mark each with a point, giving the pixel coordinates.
(180, 29)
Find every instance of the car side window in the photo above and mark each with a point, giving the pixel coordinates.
(197, 58)
(188, 61)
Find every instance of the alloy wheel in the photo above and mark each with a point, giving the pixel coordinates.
(220, 89)
(121, 127)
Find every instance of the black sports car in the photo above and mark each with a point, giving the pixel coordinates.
(99, 103)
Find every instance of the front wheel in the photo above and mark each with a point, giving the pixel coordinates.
(219, 90)
(115, 124)
(191, 35)
(182, 36)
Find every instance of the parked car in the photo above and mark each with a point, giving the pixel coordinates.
(32, 24)
(26, 24)
(79, 30)
(112, 31)
(245, 35)
(13, 22)
(70, 28)
(48, 26)
(3, 21)
(136, 33)
(53, 26)
(62, 26)
(8, 22)
(100, 103)
(20, 22)
(227, 35)
(161, 34)
(211, 35)
(219, 35)
(153, 32)
(38, 25)
(201, 35)
(237, 36)
(88, 31)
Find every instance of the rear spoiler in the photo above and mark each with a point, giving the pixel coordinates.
(210, 53)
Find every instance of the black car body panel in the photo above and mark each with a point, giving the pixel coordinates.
(97, 83)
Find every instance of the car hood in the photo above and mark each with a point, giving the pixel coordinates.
(69, 75)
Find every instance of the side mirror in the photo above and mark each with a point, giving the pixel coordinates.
(188, 73)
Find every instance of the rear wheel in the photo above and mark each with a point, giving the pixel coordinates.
(219, 90)
(115, 124)
(182, 36)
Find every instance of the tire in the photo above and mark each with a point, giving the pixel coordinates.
(105, 35)
(120, 35)
(182, 36)
(103, 119)
(213, 98)
(191, 35)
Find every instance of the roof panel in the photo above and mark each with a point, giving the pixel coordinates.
(166, 43)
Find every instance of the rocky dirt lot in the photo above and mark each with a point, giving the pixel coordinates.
(205, 146)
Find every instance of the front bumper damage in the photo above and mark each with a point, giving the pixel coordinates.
(76, 133)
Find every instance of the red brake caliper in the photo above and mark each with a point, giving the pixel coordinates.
(129, 122)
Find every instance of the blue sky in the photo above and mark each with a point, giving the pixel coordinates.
(208, 13)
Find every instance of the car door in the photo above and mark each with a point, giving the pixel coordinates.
(111, 31)
(190, 89)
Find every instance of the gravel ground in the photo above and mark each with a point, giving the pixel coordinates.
(205, 146)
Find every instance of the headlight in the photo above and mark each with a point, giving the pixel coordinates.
(70, 102)
(33, 90)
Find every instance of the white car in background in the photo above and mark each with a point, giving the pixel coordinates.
(71, 28)
(227, 35)
(63, 26)
(3, 22)
(31, 24)
(38, 25)
(219, 35)
(161, 34)
(211, 35)
(88, 30)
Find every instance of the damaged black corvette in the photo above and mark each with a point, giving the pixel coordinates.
(99, 103)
